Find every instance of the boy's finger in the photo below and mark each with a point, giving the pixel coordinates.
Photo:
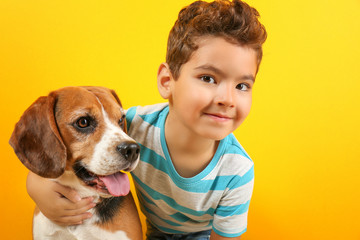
(82, 204)
(68, 193)
(80, 209)
(86, 207)
(72, 220)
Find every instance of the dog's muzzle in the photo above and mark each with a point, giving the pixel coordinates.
(129, 150)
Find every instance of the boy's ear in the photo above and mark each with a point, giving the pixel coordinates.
(164, 79)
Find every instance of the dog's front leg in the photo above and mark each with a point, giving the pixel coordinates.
(93, 232)
(44, 229)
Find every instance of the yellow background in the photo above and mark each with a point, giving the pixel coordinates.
(303, 132)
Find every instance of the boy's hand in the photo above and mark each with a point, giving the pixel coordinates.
(58, 203)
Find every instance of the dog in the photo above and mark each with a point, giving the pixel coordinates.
(77, 137)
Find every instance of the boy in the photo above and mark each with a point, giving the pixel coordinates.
(194, 180)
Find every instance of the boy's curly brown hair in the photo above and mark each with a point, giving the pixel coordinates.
(235, 21)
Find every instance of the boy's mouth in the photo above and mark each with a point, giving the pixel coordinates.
(218, 117)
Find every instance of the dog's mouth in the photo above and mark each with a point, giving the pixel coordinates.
(116, 184)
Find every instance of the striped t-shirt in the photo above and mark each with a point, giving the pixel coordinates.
(217, 198)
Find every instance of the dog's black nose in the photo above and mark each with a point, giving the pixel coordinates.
(129, 150)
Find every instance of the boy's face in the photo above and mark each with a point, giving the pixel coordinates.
(213, 93)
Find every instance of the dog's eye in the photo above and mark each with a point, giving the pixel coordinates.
(122, 120)
(83, 122)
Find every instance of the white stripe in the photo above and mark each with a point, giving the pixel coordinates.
(146, 134)
(241, 195)
(231, 225)
(231, 164)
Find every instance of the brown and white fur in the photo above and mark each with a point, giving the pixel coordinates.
(77, 137)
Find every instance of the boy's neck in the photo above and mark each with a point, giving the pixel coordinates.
(189, 152)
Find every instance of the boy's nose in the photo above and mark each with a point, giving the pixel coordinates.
(225, 95)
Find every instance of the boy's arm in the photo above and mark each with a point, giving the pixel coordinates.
(231, 213)
(215, 236)
(60, 204)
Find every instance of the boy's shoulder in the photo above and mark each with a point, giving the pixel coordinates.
(149, 111)
(148, 108)
(233, 161)
(233, 146)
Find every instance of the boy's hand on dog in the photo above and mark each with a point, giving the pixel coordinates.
(60, 204)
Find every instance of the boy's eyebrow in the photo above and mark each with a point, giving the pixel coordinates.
(222, 74)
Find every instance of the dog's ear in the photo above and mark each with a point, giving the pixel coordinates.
(125, 126)
(116, 97)
(36, 139)
(118, 100)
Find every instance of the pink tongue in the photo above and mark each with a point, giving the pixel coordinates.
(118, 184)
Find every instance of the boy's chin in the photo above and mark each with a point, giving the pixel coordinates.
(215, 134)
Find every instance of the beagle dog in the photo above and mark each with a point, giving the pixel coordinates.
(77, 137)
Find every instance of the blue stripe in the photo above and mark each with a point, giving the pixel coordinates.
(180, 217)
(152, 118)
(226, 211)
(149, 211)
(221, 183)
(143, 198)
(146, 198)
(238, 181)
(228, 234)
(130, 114)
(151, 157)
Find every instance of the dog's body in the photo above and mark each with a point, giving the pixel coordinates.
(76, 136)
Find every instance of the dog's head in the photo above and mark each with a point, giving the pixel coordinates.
(78, 129)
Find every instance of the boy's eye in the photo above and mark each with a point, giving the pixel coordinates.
(207, 79)
(243, 87)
